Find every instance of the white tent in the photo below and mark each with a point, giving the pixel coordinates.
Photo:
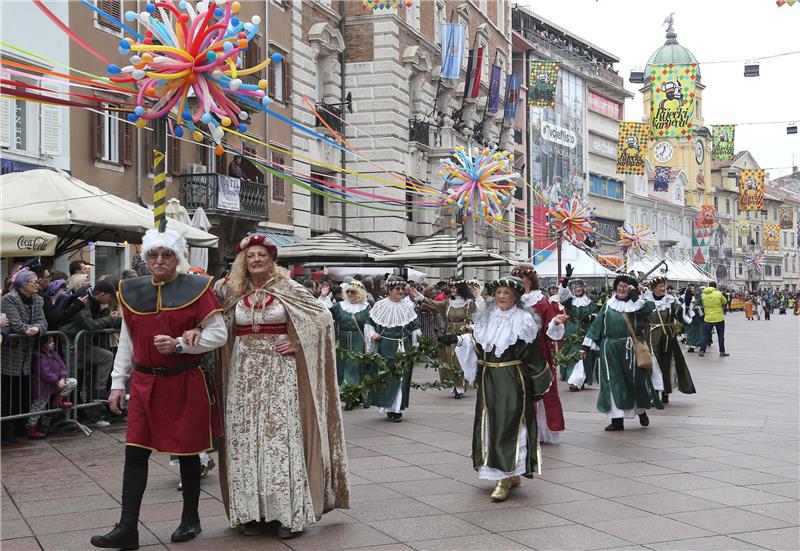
(78, 212)
(442, 250)
(584, 266)
(17, 240)
(677, 270)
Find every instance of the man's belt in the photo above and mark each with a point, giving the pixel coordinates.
(500, 364)
(263, 328)
(166, 371)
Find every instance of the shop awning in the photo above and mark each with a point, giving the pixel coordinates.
(334, 248)
(17, 241)
(441, 250)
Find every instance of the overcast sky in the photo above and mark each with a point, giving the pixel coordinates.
(713, 30)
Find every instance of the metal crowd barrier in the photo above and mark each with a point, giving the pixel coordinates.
(89, 359)
(431, 324)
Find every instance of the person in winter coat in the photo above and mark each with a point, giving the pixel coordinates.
(714, 318)
(49, 377)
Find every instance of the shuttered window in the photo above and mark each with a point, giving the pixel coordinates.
(278, 184)
(174, 156)
(279, 79)
(112, 8)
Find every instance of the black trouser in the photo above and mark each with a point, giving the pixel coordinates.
(709, 326)
(134, 482)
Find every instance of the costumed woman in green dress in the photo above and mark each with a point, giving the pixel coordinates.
(694, 329)
(393, 326)
(582, 311)
(455, 311)
(505, 358)
(350, 316)
(626, 390)
(664, 339)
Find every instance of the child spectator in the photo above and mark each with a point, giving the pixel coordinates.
(48, 378)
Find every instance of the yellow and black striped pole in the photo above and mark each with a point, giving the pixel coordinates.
(159, 192)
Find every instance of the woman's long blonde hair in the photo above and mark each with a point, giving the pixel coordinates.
(240, 284)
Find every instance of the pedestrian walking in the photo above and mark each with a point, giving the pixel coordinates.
(714, 318)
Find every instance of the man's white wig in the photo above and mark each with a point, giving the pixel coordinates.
(168, 239)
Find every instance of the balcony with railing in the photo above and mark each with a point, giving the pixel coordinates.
(331, 114)
(419, 131)
(218, 195)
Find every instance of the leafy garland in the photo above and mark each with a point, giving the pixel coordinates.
(564, 359)
(376, 378)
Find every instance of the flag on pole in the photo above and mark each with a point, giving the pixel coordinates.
(452, 49)
(159, 192)
(472, 85)
(494, 90)
(513, 85)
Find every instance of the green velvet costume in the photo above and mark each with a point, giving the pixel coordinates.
(665, 346)
(624, 388)
(580, 318)
(694, 330)
(349, 335)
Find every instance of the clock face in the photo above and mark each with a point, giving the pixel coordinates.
(663, 152)
(699, 151)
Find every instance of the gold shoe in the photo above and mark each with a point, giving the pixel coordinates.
(503, 488)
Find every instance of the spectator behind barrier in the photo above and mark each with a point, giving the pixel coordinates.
(91, 351)
(49, 378)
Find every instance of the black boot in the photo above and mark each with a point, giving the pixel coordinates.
(644, 420)
(186, 530)
(664, 398)
(398, 418)
(123, 536)
(616, 424)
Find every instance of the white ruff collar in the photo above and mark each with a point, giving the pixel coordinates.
(388, 313)
(663, 303)
(532, 298)
(498, 329)
(625, 305)
(351, 308)
(581, 301)
(459, 302)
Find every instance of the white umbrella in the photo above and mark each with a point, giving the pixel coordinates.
(176, 211)
(17, 240)
(78, 212)
(583, 264)
(198, 256)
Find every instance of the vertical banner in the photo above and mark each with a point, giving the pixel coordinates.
(701, 241)
(472, 85)
(542, 84)
(494, 90)
(661, 180)
(786, 217)
(672, 90)
(453, 35)
(632, 147)
(798, 232)
(228, 193)
(159, 192)
(513, 86)
(751, 190)
(722, 139)
(708, 216)
(772, 237)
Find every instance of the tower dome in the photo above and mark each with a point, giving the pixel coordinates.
(671, 51)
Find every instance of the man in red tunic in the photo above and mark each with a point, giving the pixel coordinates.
(170, 406)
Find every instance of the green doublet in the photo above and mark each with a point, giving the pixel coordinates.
(349, 335)
(505, 403)
(630, 386)
(579, 321)
(665, 347)
(387, 347)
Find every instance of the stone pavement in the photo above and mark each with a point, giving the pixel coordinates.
(716, 470)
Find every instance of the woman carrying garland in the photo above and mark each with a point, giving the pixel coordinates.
(626, 390)
(549, 410)
(456, 312)
(350, 316)
(502, 355)
(393, 327)
(664, 338)
(283, 460)
(581, 311)
(694, 309)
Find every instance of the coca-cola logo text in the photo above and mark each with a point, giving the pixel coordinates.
(32, 243)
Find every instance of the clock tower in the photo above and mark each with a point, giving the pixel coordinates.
(694, 155)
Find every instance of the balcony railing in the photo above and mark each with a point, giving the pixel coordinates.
(331, 114)
(419, 131)
(250, 201)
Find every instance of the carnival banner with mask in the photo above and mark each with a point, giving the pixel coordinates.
(661, 180)
(672, 91)
(708, 216)
(632, 147)
(772, 237)
(722, 139)
(751, 190)
(542, 84)
(786, 217)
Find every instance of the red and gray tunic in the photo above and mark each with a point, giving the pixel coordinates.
(167, 413)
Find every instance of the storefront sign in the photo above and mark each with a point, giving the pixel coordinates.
(559, 135)
(228, 192)
(602, 146)
(607, 228)
(604, 106)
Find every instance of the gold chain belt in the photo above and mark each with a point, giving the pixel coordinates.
(500, 364)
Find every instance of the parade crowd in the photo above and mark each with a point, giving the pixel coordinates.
(261, 367)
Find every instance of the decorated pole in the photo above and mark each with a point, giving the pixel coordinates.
(559, 241)
(460, 250)
(159, 192)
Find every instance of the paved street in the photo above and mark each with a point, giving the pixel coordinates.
(716, 470)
